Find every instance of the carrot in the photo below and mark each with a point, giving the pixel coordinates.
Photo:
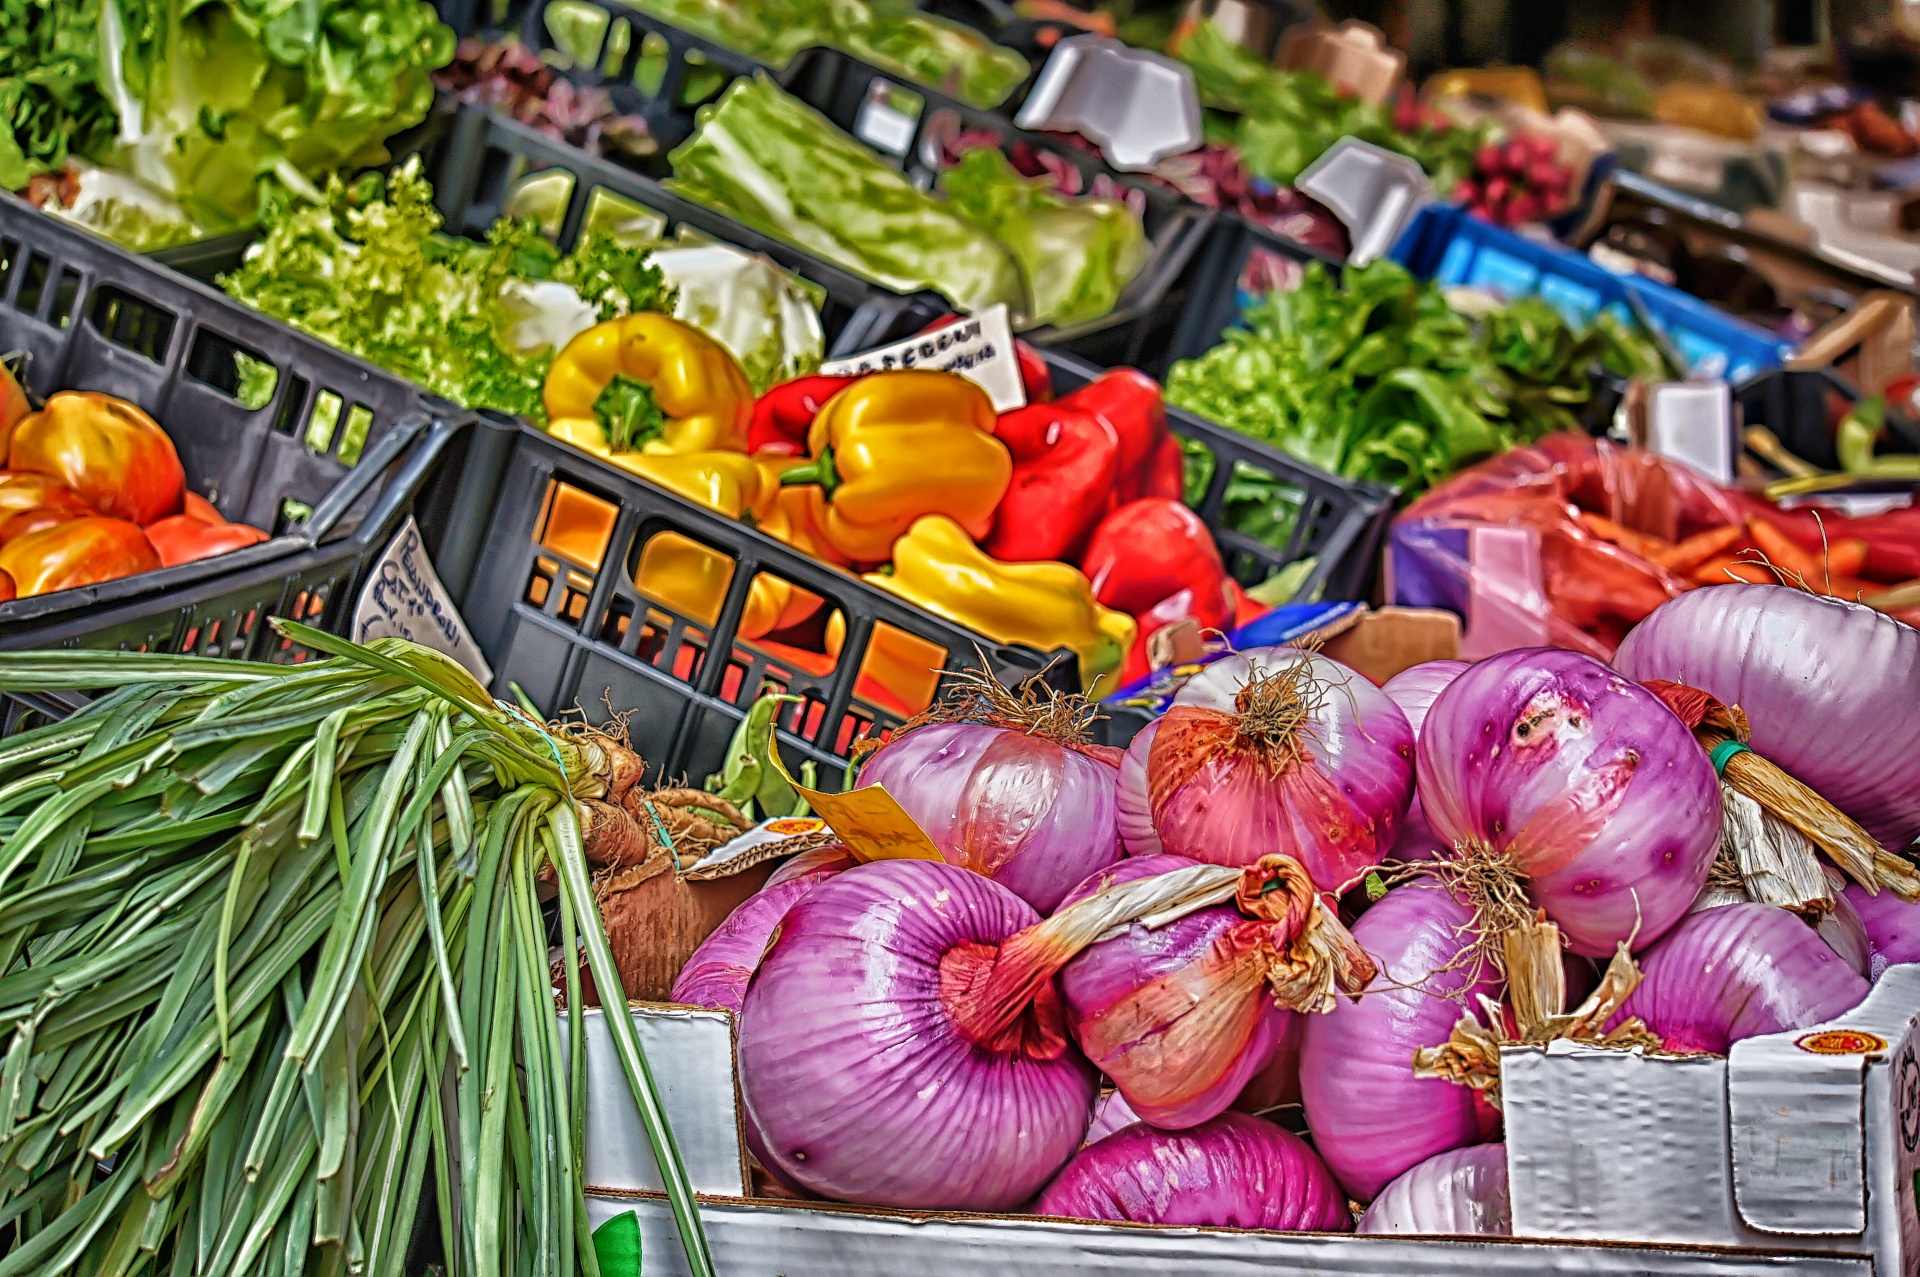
(1724, 569)
(1784, 552)
(1846, 557)
(1689, 554)
(1850, 588)
(1640, 543)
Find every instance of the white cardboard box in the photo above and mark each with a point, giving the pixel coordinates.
(1619, 1164)
(1807, 1140)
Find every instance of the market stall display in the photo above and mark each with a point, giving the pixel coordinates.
(903, 793)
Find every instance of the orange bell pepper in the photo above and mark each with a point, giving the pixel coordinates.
(115, 457)
(78, 552)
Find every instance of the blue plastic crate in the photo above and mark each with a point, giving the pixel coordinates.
(1447, 245)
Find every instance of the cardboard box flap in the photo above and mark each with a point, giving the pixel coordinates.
(1798, 1107)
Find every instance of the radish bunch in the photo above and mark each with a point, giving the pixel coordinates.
(1516, 181)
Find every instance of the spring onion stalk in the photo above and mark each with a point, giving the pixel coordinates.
(272, 955)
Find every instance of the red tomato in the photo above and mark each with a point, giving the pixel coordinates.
(198, 507)
(78, 552)
(114, 456)
(182, 538)
(37, 518)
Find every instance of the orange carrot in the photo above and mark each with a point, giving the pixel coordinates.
(1689, 554)
(1784, 552)
(1846, 557)
(1639, 543)
(1725, 569)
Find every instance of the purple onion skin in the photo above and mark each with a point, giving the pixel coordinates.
(1740, 971)
(1846, 934)
(860, 1086)
(717, 974)
(829, 860)
(1371, 1118)
(1586, 780)
(1235, 1171)
(1027, 812)
(1110, 1114)
(1462, 1193)
(1892, 926)
(1413, 690)
(1187, 1089)
(1134, 809)
(1811, 673)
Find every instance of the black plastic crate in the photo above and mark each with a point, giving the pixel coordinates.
(579, 635)
(1340, 521)
(1795, 405)
(334, 448)
(904, 121)
(1214, 294)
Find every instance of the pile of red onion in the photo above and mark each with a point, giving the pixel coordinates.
(1182, 927)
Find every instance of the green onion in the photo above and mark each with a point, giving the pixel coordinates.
(272, 951)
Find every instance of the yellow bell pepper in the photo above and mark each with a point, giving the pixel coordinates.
(898, 445)
(653, 384)
(1044, 605)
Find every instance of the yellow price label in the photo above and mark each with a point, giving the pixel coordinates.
(869, 820)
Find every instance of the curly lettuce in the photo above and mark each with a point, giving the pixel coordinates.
(369, 271)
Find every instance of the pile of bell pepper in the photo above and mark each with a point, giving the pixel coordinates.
(1056, 525)
(93, 490)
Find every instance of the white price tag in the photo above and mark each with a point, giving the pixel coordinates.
(404, 599)
(882, 122)
(978, 347)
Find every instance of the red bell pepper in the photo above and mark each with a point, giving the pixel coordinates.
(782, 416)
(1150, 550)
(1151, 462)
(1064, 463)
(7, 593)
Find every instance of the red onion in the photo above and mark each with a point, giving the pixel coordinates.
(1413, 690)
(716, 975)
(1583, 783)
(1031, 813)
(1372, 1119)
(866, 1075)
(1280, 750)
(1892, 926)
(1845, 932)
(1810, 672)
(1181, 1016)
(833, 857)
(1134, 808)
(1235, 1171)
(1736, 972)
(1460, 1193)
